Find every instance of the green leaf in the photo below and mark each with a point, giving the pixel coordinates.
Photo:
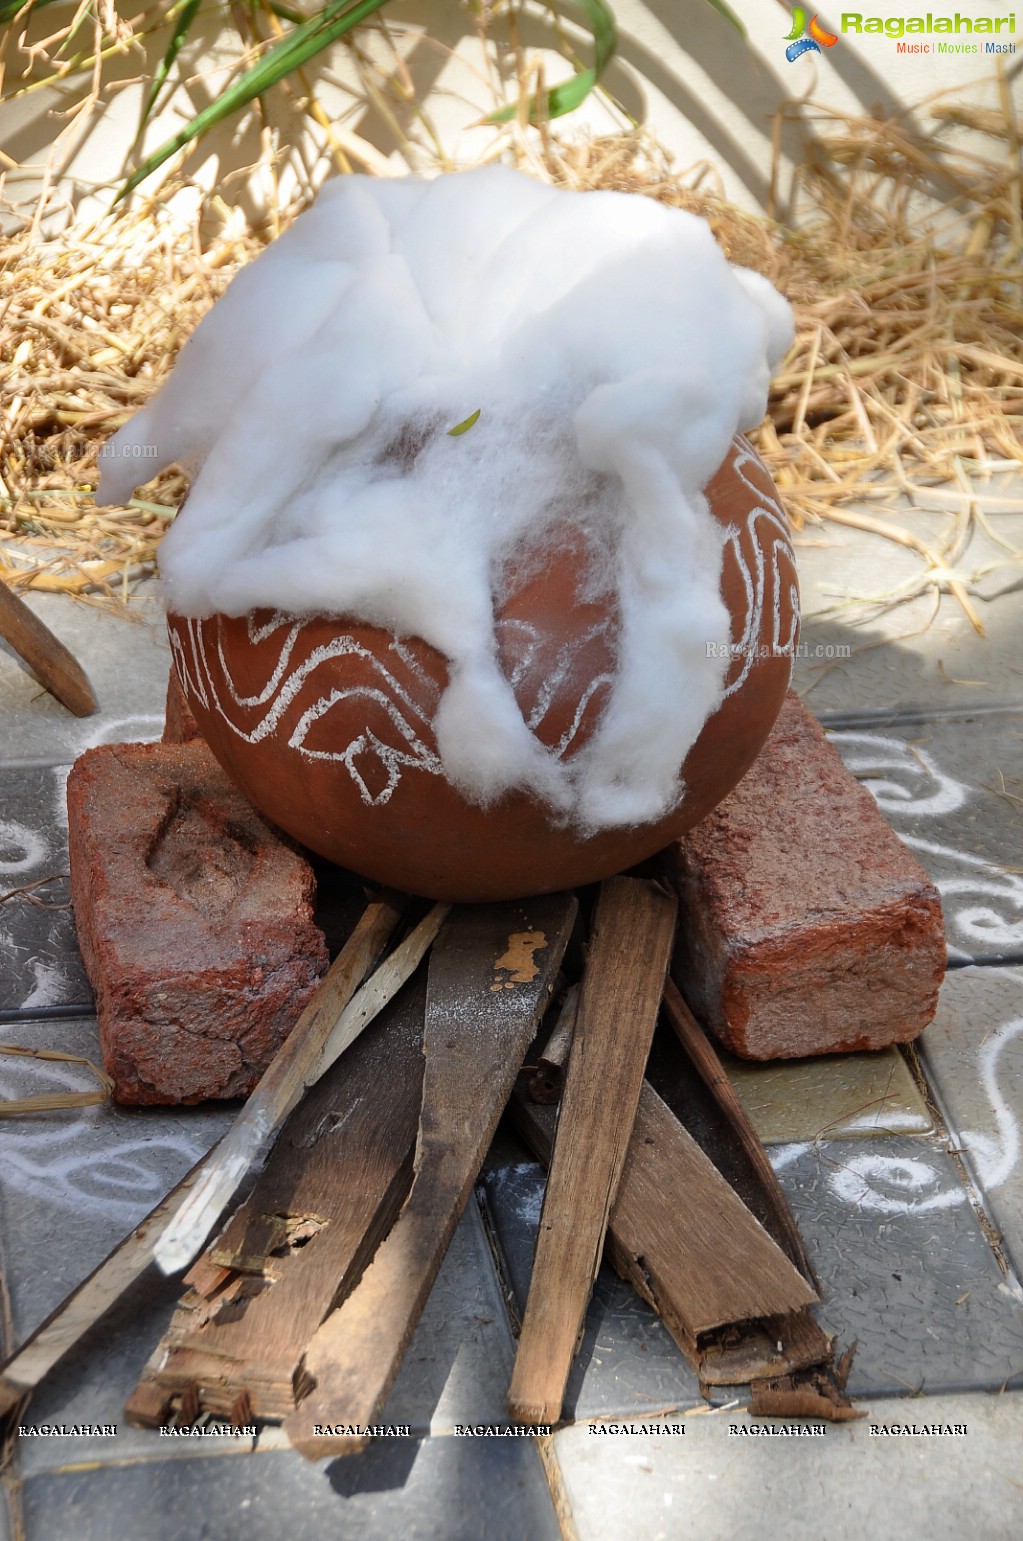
(10, 8)
(570, 93)
(163, 69)
(291, 53)
(465, 424)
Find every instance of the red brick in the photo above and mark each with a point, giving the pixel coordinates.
(179, 725)
(806, 926)
(194, 921)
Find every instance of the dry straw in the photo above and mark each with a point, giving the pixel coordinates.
(905, 382)
(17, 1107)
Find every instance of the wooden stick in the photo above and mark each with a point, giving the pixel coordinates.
(491, 976)
(545, 1085)
(49, 660)
(334, 1017)
(341, 1169)
(630, 946)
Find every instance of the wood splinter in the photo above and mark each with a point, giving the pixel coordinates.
(546, 1080)
(330, 1024)
(689, 1247)
(330, 1191)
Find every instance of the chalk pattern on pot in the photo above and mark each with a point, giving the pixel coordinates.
(408, 695)
(763, 566)
(410, 746)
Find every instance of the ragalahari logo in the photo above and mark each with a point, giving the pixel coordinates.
(805, 39)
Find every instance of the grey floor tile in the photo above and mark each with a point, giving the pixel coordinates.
(899, 660)
(973, 1056)
(906, 1269)
(846, 1485)
(41, 966)
(627, 1362)
(74, 1181)
(127, 660)
(445, 1489)
(953, 791)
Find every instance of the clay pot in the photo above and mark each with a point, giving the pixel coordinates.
(325, 723)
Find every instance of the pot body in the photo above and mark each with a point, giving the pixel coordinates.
(326, 724)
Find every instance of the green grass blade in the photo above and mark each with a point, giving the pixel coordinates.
(163, 69)
(287, 13)
(729, 15)
(291, 53)
(568, 95)
(10, 8)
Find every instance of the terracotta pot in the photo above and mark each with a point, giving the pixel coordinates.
(325, 723)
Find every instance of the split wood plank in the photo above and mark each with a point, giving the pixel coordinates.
(26, 1368)
(491, 976)
(332, 1020)
(767, 1193)
(764, 1349)
(630, 946)
(330, 1191)
(678, 1231)
(56, 669)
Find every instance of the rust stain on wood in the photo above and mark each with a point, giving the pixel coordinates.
(518, 962)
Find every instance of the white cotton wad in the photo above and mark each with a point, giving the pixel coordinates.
(611, 351)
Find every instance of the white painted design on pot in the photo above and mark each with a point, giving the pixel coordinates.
(411, 722)
(771, 554)
(760, 549)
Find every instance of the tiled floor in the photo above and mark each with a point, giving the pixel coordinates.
(911, 1204)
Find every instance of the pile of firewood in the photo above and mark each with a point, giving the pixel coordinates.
(303, 1305)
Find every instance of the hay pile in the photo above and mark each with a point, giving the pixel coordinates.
(92, 323)
(906, 378)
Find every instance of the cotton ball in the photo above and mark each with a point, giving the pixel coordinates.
(247, 329)
(271, 307)
(654, 429)
(669, 679)
(776, 310)
(484, 743)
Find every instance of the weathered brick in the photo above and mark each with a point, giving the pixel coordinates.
(194, 921)
(806, 926)
(179, 724)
